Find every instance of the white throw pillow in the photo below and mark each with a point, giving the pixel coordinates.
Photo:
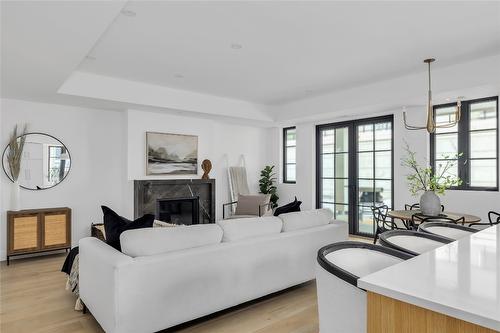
(151, 241)
(306, 219)
(236, 229)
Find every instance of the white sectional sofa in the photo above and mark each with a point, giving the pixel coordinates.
(167, 276)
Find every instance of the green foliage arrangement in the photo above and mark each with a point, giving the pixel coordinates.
(423, 178)
(267, 184)
(15, 152)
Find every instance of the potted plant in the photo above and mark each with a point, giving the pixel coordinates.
(267, 184)
(431, 182)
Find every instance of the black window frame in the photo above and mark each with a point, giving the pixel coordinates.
(285, 157)
(352, 125)
(463, 134)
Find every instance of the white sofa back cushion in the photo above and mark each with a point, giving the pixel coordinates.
(150, 241)
(236, 229)
(306, 219)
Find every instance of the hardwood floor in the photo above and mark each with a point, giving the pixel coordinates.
(33, 299)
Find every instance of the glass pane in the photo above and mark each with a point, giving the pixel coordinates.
(445, 116)
(290, 155)
(341, 165)
(383, 165)
(327, 141)
(365, 137)
(328, 205)
(383, 136)
(365, 192)
(290, 172)
(290, 137)
(483, 115)
(341, 191)
(327, 165)
(341, 139)
(365, 165)
(383, 192)
(342, 212)
(483, 173)
(327, 190)
(365, 220)
(483, 144)
(446, 146)
(452, 168)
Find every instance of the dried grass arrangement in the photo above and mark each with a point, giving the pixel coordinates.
(15, 152)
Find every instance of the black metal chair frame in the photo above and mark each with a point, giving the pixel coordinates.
(380, 222)
(421, 218)
(261, 207)
(491, 216)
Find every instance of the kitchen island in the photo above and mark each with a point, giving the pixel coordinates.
(454, 288)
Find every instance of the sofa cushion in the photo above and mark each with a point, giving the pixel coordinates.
(249, 204)
(151, 241)
(236, 229)
(115, 224)
(306, 219)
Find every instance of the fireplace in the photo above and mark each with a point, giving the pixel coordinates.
(177, 197)
(178, 210)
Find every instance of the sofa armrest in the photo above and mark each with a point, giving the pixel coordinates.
(98, 280)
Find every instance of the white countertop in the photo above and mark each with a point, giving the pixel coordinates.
(460, 279)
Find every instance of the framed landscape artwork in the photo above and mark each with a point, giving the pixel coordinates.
(171, 154)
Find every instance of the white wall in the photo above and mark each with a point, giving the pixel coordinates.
(220, 142)
(107, 151)
(472, 202)
(98, 174)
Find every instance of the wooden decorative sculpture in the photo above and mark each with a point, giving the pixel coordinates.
(206, 165)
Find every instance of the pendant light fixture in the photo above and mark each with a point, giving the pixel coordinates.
(431, 119)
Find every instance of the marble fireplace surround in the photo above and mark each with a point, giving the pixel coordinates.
(147, 192)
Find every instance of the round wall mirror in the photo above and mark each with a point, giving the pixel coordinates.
(45, 162)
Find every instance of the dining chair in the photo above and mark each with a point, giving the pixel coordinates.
(380, 221)
(416, 206)
(493, 217)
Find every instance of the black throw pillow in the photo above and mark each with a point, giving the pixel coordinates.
(115, 224)
(293, 206)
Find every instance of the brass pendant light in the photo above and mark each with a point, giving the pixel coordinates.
(431, 122)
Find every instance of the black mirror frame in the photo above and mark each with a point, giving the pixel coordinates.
(38, 189)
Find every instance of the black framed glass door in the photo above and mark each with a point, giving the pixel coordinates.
(354, 170)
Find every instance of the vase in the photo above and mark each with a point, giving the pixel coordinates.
(15, 196)
(430, 204)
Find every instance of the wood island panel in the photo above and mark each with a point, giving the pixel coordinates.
(388, 315)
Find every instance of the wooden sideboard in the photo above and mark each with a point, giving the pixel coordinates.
(38, 230)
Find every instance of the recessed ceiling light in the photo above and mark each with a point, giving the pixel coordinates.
(89, 57)
(128, 13)
(448, 99)
(308, 91)
(179, 76)
(236, 46)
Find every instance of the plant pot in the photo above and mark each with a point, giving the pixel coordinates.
(430, 204)
(15, 196)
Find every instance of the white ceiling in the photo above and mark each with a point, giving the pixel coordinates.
(290, 49)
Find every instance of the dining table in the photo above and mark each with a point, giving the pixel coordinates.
(406, 216)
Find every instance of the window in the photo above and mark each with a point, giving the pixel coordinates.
(354, 170)
(475, 136)
(289, 162)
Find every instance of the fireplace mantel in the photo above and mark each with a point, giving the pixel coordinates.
(147, 192)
